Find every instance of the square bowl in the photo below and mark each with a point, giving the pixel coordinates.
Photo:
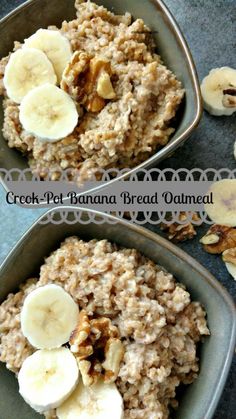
(170, 45)
(198, 400)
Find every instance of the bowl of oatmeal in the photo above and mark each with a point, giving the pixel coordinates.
(125, 67)
(138, 290)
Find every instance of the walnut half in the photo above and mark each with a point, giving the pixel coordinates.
(219, 238)
(88, 80)
(97, 348)
(182, 231)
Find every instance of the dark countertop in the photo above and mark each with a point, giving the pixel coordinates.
(209, 27)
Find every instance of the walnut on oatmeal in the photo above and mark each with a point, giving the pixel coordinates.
(88, 80)
(98, 66)
(97, 348)
(104, 86)
(182, 230)
(73, 78)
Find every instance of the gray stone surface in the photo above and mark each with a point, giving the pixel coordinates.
(209, 27)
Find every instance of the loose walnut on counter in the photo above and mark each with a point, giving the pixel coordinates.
(219, 238)
(88, 80)
(97, 348)
(181, 232)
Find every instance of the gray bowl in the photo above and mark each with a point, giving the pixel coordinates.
(200, 399)
(34, 14)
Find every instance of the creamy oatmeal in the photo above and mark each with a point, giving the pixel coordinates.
(126, 97)
(125, 295)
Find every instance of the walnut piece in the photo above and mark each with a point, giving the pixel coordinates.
(219, 238)
(97, 348)
(79, 336)
(88, 376)
(210, 238)
(88, 80)
(229, 255)
(181, 232)
(104, 86)
(74, 76)
(114, 352)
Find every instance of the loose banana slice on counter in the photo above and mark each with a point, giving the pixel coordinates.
(47, 378)
(27, 69)
(48, 113)
(48, 317)
(219, 91)
(229, 257)
(99, 401)
(54, 45)
(231, 269)
(223, 209)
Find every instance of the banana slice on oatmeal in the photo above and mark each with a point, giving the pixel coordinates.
(27, 69)
(47, 378)
(99, 401)
(48, 317)
(48, 113)
(54, 45)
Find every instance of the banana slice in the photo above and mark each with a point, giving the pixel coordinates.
(218, 91)
(223, 209)
(47, 378)
(231, 268)
(26, 69)
(229, 257)
(48, 317)
(54, 45)
(99, 401)
(48, 113)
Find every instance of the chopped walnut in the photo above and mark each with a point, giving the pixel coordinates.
(97, 348)
(219, 238)
(79, 337)
(89, 376)
(181, 232)
(229, 255)
(74, 76)
(88, 80)
(114, 352)
(104, 86)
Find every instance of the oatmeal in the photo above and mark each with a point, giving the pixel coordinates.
(126, 98)
(131, 302)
